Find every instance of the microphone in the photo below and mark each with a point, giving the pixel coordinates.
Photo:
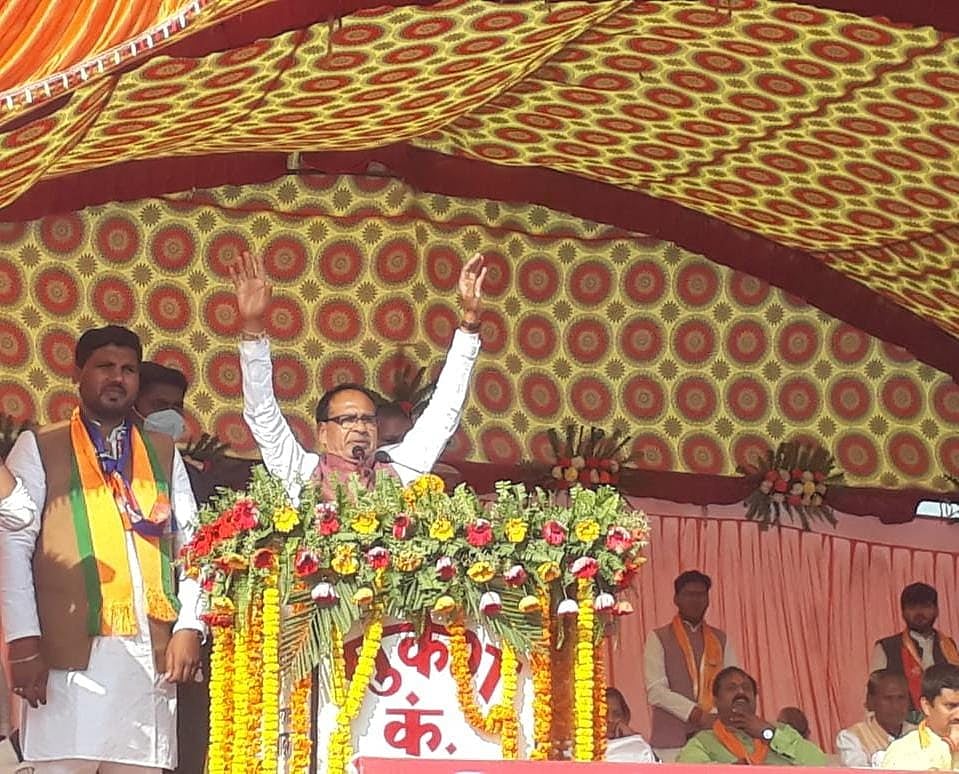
(358, 453)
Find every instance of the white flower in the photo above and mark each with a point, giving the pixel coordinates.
(490, 603)
(324, 595)
(604, 603)
(567, 607)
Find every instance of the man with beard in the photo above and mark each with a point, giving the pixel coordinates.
(97, 633)
(919, 646)
(934, 746)
(740, 736)
(887, 705)
(346, 414)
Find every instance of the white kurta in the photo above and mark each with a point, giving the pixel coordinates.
(286, 459)
(118, 709)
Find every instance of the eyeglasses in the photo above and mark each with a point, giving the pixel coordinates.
(353, 420)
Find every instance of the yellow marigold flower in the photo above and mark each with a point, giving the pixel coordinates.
(409, 561)
(363, 596)
(442, 529)
(285, 519)
(515, 530)
(548, 572)
(345, 561)
(444, 604)
(221, 605)
(587, 530)
(365, 523)
(481, 572)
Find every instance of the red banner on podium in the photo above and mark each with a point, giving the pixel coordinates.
(422, 766)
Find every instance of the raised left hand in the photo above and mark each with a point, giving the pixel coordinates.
(471, 288)
(183, 656)
(751, 724)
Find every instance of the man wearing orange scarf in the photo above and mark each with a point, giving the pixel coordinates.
(98, 633)
(740, 736)
(681, 661)
(919, 646)
(934, 746)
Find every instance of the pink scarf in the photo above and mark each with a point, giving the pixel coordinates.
(333, 469)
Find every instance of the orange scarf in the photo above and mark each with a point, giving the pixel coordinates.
(912, 663)
(700, 675)
(735, 745)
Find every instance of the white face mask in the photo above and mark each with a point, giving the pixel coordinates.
(169, 422)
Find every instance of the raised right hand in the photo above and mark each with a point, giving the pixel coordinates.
(28, 671)
(253, 290)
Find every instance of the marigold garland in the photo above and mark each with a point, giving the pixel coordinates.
(221, 701)
(542, 685)
(583, 748)
(270, 729)
(599, 706)
(254, 658)
(341, 740)
(301, 730)
(242, 677)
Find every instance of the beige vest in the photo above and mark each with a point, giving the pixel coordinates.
(57, 570)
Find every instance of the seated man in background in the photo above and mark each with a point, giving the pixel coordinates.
(887, 706)
(624, 744)
(795, 717)
(740, 736)
(934, 746)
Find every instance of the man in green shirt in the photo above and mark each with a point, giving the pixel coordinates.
(741, 736)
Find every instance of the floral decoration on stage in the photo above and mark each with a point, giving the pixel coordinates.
(793, 480)
(414, 553)
(587, 456)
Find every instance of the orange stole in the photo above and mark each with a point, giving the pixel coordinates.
(912, 664)
(700, 675)
(735, 745)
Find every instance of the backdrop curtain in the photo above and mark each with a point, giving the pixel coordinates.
(803, 609)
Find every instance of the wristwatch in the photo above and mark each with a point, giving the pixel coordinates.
(768, 733)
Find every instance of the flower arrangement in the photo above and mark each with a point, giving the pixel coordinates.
(794, 480)
(413, 553)
(587, 456)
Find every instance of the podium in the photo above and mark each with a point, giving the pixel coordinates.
(405, 622)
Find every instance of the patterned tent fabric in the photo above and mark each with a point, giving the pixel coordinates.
(586, 323)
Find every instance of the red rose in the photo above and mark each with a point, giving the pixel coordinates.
(244, 514)
(328, 525)
(585, 567)
(201, 546)
(554, 533)
(306, 562)
(781, 486)
(207, 584)
(264, 559)
(818, 476)
(479, 533)
(378, 557)
(794, 500)
(772, 475)
(401, 526)
(618, 540)
(605, 477)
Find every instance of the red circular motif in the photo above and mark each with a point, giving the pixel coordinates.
(645, 282)
(232, 428)
(396, 262)
(909, 454)
(500, 446)
(173, 248)
(11, 283)
(12, 232)
(16, 402)
(289, 377)
(719, 62)
(224, 251)
(696, 399)
(394, 319)
(497, 274)
(223, 373)
(652, 452)
(541, 396)
(443, 265)
(590, 283)
(113, 300)
(945, 400)
(642, 339)
(590, 398)
(798, 399)
(748, 290)
(697, 284)
(177, 359)
(901, 397)
(61, 233)
(746, 342)
(60, 404)
(781, 85)
(857, 455)
(493, 390)
(540, 447)
(538, 279)
(14, 347)
(285, 320)
(644, 398)
(694, 341)
(285, 258)
(798, 342)
(750, 449)
(537, 337)
(440, 322)
(117, 240)
(702, 455)
(56, 291)
(362, 34)
(169, 307)
(339, 321)
(748, 399)
(341, 263)
(849, 345)
(343, 369)
(949, 455)
(219, 312)
(867, 34)
(57, 347)
(587, 340)
(493, 331)
(849, 398)
(809, 69)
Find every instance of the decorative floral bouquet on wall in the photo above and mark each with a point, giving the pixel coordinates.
(412, 553)
(794, 480)
(587, 456)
